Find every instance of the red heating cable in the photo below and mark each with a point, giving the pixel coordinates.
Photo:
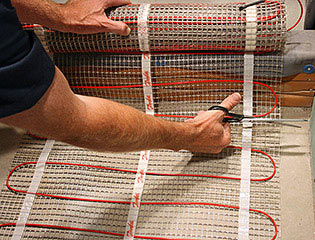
(133, 171)
(186, 82)
(128, 202)
(300, 17)
(146, 237)
(259, 19)
(150, 173)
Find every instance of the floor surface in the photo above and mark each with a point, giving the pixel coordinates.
(296, 182)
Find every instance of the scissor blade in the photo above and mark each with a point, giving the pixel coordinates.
(274, 120)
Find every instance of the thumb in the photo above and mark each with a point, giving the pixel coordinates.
(231, 101)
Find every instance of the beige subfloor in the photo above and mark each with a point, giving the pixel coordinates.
(297, 196)
(9, 141)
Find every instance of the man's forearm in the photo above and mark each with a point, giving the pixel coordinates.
(45, 12)
(104, 125)
(118, 127)
(97, 123)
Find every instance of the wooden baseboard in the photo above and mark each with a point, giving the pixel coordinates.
(298, 90)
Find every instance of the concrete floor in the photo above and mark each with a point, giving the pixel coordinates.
(297, 201)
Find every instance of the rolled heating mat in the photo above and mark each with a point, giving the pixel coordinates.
(182, 27)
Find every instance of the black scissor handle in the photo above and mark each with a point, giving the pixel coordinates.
(219, 108)
(229, 117)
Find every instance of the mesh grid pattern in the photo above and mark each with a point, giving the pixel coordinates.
(178, 27)
(95, 74)
(196, 222)
(92, 72)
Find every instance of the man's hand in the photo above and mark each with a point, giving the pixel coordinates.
(86, 16)
(212, 135)
(78, 16)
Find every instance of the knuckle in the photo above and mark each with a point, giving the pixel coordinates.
(124, 27)
(230, 104)
(223, 143)
(219, 114)
(217, 150)
(106, 26)
(227, 142)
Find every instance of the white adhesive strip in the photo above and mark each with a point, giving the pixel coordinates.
(144, 155)
(244, 202)
(143, 35)
(147, 83)
(251, 28)
(136, 196)
(29, 198)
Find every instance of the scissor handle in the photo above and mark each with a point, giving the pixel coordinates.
(219, 108)
(229, 117)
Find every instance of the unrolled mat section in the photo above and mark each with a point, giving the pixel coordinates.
(186, 195)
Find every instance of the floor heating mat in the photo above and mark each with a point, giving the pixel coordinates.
(179, 59)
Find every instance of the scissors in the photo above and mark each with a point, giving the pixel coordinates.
(230, 117)
(234, 117)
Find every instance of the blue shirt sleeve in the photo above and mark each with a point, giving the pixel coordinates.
(26, 70)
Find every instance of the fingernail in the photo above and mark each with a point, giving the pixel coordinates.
(128, 31)
(237, 96)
